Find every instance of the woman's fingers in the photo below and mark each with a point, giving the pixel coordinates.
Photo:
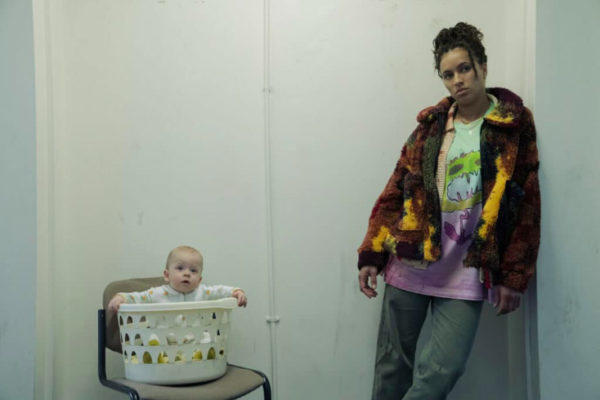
(373, 274)
(508, 300)
(363, 279)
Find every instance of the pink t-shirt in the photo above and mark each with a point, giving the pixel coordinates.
(447, 277)
(461, 204)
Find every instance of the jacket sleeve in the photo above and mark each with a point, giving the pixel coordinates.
(387, 211)
(518, 261)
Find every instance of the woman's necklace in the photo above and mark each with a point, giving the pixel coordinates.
(466, 121)
(470, 124)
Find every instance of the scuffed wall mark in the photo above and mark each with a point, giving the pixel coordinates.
(3, 329)
(571, 307)
(436, 24)
(566, 319)
(135, 147)
(389, 14)
(341, 319)
(140, 218)
(179, 4)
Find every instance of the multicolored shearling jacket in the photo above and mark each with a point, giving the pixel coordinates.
(406, 219)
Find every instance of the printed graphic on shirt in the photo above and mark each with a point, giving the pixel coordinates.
(461, 194)
(461, 236)
(461, 203)
(463, 183)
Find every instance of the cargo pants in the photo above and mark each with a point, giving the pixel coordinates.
(442, 359)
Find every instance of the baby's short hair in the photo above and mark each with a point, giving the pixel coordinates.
(189, 249)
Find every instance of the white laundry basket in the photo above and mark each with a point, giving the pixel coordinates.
(175, 343)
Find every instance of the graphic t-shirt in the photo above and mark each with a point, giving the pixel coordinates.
(461, 205)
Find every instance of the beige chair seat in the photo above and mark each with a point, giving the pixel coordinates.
(235, 383)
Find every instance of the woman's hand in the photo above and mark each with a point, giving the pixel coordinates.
(363, 277)
(507, 300)
(115, 302)
(241, 297)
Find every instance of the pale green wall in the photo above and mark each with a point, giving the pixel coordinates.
(568, 88)
(567, 113)
(17, 201)
(158, 140)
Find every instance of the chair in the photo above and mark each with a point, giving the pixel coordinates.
(236, 382)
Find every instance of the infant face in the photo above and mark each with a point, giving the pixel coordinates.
(184, 272)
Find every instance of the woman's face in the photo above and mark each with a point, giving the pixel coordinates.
(458, 75)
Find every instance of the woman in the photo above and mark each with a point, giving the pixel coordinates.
(457, 223)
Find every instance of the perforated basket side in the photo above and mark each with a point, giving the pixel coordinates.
(174, 345)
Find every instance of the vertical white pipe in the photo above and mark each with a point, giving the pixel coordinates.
(530, 303)
(530, 51)
(272, 318)
(44, 351)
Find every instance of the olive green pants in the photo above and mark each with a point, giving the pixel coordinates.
(443, 357)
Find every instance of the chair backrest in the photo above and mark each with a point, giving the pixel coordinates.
(113, 340)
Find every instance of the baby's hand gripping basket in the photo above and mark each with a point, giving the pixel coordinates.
(175, 343)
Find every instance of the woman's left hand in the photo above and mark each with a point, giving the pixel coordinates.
(507, 300)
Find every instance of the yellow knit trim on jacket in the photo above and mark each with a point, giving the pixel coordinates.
(491, 208)
(496, 116)
(377, 242)
(428, 245)
(409, 221)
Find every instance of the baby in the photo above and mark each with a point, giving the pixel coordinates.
(183, 274)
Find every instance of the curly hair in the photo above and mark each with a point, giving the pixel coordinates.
(461, 35)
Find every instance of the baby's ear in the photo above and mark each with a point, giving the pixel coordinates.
(166, 275)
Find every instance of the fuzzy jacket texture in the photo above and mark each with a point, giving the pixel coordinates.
(406, 218)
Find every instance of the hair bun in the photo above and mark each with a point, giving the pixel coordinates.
(460, 35)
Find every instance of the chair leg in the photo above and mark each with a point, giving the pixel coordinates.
(133, 394)
(266, 385)
(267, 389)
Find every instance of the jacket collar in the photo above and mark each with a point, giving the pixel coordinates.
(507, 112)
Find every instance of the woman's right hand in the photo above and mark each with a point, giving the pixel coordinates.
(363, 279)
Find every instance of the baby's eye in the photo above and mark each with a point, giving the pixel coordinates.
(179, 268)
(194, 270)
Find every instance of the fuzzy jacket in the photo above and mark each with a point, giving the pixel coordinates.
(406, 218)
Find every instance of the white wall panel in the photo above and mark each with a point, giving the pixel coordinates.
(17, 201)
(568, 101)
(349, 78)
(159, 142)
